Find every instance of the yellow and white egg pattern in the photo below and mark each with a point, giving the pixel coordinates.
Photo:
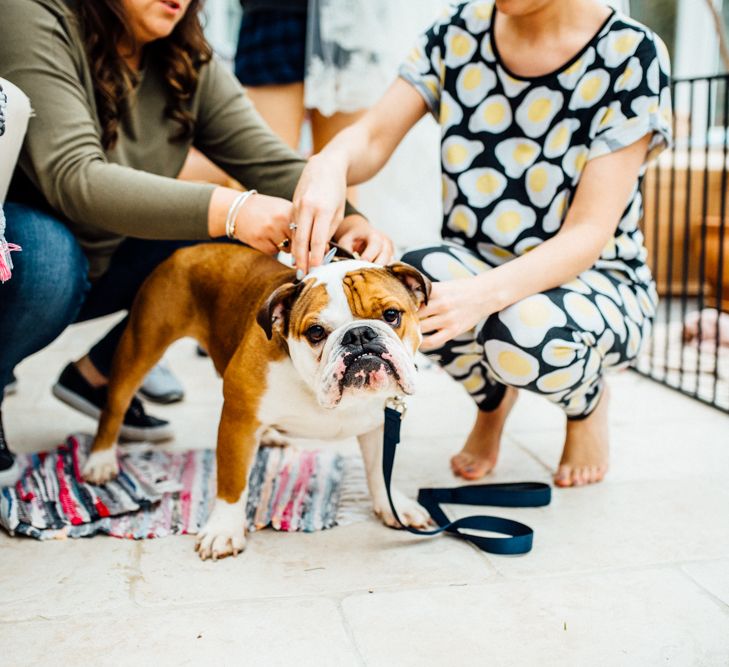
(457, 153)
(607, 117)
(584, 312)
(472, 263)
(632, 75)
(527, 245)
(460, 45)
(618, 45)
(482, 186)
(517, 155)
(512, 86)
(600, 283)
(562, 378)
(574, 161)
(507, 221)
(560, 352)
(450, 112)
(477, 15)
(492, 115)
(530, 319)
(590, 90)
(542, 181)
(538, 109)
(494, 254)
(474, 82)
(559, 137)
(444, 266)
(449, 193)
(572, 74)
(462, 220)
(557, 212)
(510, 364)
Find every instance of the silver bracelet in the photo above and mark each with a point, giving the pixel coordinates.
(235, 207)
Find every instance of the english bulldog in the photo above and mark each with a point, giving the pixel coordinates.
(315, 358)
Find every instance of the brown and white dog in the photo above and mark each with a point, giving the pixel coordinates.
(313, 359)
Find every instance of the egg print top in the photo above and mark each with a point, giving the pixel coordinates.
(513, 148)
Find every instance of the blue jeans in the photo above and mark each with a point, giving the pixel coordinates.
(50, 289)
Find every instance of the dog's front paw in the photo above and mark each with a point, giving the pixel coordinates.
(410, 512)
(224, 534)
(218, 542)
(101, 466)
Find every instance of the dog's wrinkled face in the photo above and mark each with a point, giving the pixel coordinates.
(351, 327)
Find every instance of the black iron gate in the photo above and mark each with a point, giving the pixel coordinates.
(685, 195)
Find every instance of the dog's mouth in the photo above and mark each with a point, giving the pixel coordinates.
(373, 364)
(367, 370)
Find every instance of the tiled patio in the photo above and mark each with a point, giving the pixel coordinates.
(634, 571)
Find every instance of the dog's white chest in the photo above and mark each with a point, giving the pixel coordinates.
(290, 407)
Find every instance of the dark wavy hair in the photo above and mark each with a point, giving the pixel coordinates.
(104, 26)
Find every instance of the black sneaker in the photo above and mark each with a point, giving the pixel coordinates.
(9, 468)
(76, 392)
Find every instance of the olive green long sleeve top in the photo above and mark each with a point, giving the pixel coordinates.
(130, 190)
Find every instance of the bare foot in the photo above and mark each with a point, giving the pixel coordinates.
(481, 450)
(585, 453)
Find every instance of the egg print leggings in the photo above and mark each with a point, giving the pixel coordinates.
(557, 343)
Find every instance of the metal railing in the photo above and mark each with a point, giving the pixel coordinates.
(685, 224)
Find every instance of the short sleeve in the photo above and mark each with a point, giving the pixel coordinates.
(424, 68)
(640, 103)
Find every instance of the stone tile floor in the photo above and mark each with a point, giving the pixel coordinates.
(634, 571)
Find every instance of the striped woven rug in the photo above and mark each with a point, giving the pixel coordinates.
(160, 493)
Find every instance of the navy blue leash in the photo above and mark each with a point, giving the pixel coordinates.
(519, 536)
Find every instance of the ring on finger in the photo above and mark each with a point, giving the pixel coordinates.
(293, 226)
(284, 244)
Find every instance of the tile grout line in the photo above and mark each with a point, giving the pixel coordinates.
(714, 598)
(338, 600)
(339, 597)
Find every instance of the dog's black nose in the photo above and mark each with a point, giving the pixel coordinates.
(359, 336)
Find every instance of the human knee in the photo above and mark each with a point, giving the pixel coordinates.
(532, 345)
(416, 258)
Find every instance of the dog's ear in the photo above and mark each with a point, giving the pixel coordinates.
(274, 312)
(416, 283)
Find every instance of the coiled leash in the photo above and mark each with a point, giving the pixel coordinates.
(519, 536)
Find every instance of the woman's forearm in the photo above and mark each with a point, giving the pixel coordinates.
(549, 265)
(353, 152)
(362, 149)
(600, 200)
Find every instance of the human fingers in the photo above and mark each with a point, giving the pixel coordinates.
(436, 340)
(304, 221)
(320, 236)
(431, 309)
(387, 252)
(432, 323)
(372, 248)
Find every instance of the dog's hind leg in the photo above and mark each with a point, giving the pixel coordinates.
(151, 330)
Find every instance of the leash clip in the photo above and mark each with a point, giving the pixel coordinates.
(398, 404)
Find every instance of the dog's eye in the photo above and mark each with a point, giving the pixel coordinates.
(392, 316)
(316, 333)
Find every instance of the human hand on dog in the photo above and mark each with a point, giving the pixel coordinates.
(356, 234)
(263, 223)
(454, 307)
(318, 209)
